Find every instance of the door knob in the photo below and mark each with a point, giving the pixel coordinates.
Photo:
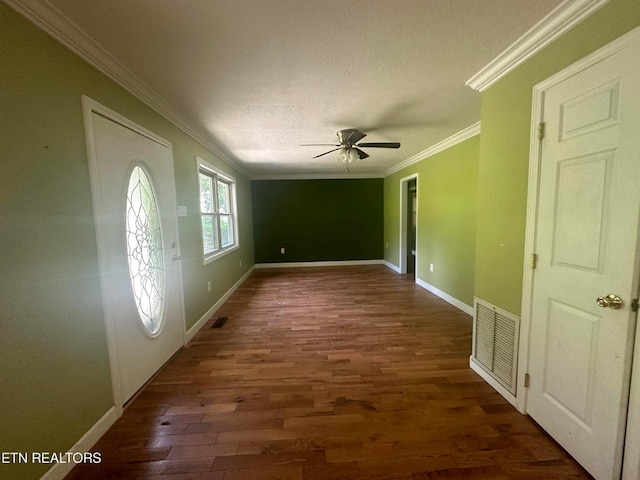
(611, 301)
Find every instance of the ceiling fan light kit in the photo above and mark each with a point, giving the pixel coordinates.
(349, 150)
(348, 155)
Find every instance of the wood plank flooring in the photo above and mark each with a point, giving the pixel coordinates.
(325, 374)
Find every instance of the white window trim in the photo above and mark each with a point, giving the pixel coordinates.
(203, 165)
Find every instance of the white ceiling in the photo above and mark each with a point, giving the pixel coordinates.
(261, 77)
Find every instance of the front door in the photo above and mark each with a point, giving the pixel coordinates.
(586, 241)
(136, 225)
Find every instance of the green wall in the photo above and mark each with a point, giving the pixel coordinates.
(317, 220)
(54, 379)
(446, 218)
(504, 152)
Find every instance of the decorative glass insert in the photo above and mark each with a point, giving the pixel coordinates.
(144, 250)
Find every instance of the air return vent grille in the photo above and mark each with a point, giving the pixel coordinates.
(495, 343)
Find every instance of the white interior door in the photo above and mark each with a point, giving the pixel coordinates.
(136, 224)
(586, 241)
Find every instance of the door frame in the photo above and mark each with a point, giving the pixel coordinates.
(631, 457)
(89, 107)
(404, 211)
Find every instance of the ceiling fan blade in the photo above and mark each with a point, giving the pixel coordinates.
(379, 145)
(361, 154)
(319, 145)
(327, 152)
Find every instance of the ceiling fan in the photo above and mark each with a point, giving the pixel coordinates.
(350, 149)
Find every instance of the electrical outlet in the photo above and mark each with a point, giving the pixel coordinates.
(282, 250)
(240, 262)
(431, 267)
(208, 286)
(387, 245)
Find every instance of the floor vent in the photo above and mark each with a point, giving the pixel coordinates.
(220, 321)
(495, 343)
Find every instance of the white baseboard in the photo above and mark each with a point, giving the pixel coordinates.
(88, 440)
(391, 266)
(494, 383)
(209, 313)
(468, 309)
(337, 263)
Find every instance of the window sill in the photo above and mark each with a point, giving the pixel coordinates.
(215, 256)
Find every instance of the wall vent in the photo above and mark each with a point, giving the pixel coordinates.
(495, 343)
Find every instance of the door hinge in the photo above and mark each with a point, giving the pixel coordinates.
(541, 130)
(526, 380)
(634, 305)
(534, 260)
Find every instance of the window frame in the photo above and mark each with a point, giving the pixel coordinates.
(217, 175)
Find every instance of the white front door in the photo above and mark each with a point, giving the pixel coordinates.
(586, 241)
(136, 224)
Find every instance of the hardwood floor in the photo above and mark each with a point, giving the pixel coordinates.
(325, 374)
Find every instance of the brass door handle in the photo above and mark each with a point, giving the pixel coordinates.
(611, 301)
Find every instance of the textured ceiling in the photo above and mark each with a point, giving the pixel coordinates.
(260, 77)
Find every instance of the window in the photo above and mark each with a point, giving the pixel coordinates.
(217, 211)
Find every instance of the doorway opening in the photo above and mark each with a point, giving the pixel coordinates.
(408, 224)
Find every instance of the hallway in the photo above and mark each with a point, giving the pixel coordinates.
(325, 374)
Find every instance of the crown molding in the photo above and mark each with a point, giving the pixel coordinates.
(61, 28)
(316, 176)
(561, 19)
(461, 136)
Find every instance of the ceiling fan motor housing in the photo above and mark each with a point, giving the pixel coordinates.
(348, 137)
